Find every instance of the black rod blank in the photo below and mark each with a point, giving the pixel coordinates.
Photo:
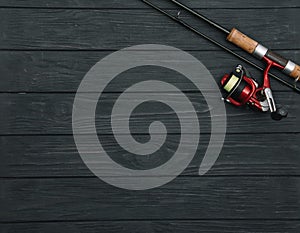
(216, 25)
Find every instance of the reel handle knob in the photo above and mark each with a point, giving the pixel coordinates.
(281, 112)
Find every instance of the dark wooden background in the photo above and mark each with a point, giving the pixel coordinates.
(46, 47)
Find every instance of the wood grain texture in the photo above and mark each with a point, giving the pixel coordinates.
(183, 198)
(59, 29)
(52, 114)
(46, 48)
(115, 4)
(62, 71)
(183, 226)
(242, 155)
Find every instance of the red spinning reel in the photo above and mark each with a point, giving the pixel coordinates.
(243, 90)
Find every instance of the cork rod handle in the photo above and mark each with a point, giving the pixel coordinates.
(242, 41)
(296, 72)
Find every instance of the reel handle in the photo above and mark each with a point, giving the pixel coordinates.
(253, 47)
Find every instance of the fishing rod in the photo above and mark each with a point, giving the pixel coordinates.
(242, 89)
(249, 45)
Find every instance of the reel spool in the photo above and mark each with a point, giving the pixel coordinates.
(243, 90)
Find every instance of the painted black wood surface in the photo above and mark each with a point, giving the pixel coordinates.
(46, 47)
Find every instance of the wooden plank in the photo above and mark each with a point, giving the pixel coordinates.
(57, 156)
(49, 29)
(191, 226)
(183, 198)
(52, 114)
(252, 4)
(49, 71)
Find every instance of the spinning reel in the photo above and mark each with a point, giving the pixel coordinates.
(243, 90)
